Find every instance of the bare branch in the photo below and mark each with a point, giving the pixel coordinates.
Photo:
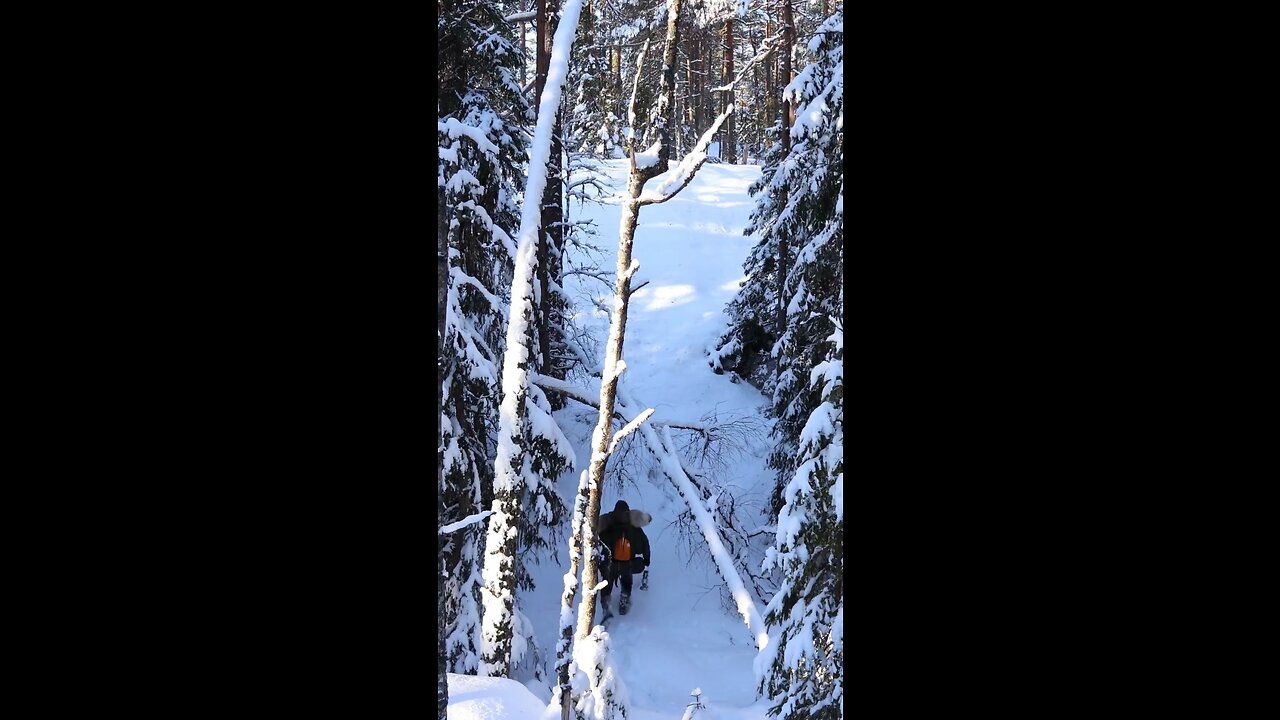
(683, 426)
(631, 107)
(569, 390)
(629, 428)
(687, 168)
(769, 46)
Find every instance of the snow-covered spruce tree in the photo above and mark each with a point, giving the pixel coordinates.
(802, 667)
(812, 224)
(544, 512)
(480, 173)
(773, 328)
(593, 127)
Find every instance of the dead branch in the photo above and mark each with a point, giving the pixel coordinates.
(687, 168)
(767, 48)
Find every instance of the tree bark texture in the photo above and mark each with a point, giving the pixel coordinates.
(784, 251)
(551, 237)
(563, 656)
(788, 45)
(442, 263)
(727, 144)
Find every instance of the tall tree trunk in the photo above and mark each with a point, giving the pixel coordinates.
(442, 276)
(543, 57)
(788, 47)
(618, 321)
(615, 76)
(500, 542)
(770, 91)
(699, 82)
(727, 144)
(691, 99)
(784, 249)
(551, 243)
(563, 656)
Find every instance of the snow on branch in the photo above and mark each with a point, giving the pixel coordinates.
(468, 520)
(688, 167)
(628, 429)
(522, 17)
(631, 269)
(673, 469)
(631, 107)
(462, 278)
(456, 129)
(546, 382)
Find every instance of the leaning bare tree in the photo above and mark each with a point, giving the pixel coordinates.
(645, 166)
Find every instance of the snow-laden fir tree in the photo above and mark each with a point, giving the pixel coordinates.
(746, 348)
(594, 127)
(794, 270)
(812, 226)
(802, 668)
(480, 174)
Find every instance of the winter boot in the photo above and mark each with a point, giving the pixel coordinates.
(624, 604)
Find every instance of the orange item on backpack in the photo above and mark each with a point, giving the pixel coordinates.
(622, 549)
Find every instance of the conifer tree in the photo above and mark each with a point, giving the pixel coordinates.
(480, 174)
(802, 667)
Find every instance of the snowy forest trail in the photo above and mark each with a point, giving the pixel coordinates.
(679, 635)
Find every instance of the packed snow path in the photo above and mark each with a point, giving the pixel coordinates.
(678, 635)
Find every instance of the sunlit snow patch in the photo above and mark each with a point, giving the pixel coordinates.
(670, 296)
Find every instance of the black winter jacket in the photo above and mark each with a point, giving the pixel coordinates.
(611, 531)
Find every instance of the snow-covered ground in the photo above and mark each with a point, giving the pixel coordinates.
(678, 635)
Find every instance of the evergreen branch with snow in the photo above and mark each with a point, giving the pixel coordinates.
(468, 520)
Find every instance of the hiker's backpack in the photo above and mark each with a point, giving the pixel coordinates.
(622, 548)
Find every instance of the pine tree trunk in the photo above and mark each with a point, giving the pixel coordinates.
(618, 321)
(691, 95)
(563, 656)
(542, 60)
(770, 92)
(788, 48)
(699, 82)
(442, 269)
(615, 74)
(784, 251)
(727, 144)
(552, 234)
